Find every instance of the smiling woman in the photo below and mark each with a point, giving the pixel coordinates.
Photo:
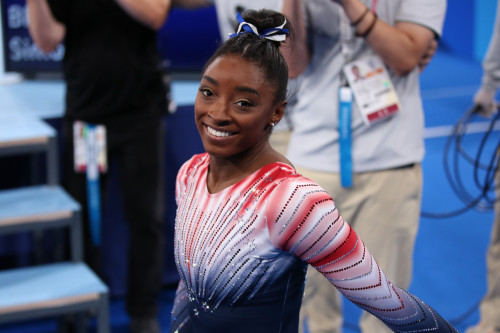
(234, 110)
(248, 225)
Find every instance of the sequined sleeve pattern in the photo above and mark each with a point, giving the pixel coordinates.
(309, 226)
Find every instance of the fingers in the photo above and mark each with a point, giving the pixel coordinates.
(487, 111)
(429, 53)
(485, 102)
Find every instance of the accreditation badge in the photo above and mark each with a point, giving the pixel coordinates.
(373, 90)
(89, 146)
(90, 157)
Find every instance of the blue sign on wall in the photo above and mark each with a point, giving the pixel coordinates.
(185, 42)
(20, 53)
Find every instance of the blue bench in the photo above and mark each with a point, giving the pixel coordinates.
(50, 290)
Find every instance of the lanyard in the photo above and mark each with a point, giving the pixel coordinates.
(345, 137)
(93, 187)
(347, 44)
(347, 38)
(347, 35)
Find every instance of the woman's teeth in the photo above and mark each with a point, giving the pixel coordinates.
(217, 133)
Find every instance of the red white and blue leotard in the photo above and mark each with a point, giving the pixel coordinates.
(242, 253)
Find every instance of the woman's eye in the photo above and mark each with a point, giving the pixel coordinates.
(244, 103)
(206, 92)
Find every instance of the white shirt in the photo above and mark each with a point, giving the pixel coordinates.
(391, 143)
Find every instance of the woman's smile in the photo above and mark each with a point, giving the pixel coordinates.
(218, 133)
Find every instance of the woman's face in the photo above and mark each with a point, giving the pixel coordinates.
(234, 107)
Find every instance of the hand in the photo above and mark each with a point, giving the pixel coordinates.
(429, 53)
(485, 103)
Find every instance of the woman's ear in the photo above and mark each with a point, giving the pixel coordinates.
(279, 111)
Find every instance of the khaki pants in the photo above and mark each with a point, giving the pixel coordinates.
(490, 305)
(383, 207)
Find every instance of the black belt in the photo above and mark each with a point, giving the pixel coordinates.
(406, 166)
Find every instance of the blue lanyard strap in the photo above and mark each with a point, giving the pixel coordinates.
(345, 139)
(93, 187)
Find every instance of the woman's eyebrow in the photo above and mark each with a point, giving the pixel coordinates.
(210, 79)
(238, 88)
(247, 89)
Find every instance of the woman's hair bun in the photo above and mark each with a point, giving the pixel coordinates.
(263, 23)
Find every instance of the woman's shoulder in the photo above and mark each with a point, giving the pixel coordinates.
(194, 162)
(189, 168)
(294, 206)
(286, 174)
(289, 183)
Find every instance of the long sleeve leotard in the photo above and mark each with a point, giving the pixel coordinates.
(242, 253)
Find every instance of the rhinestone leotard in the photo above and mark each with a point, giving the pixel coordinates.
(242, 253)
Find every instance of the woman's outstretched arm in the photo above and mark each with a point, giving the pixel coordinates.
(310, 227)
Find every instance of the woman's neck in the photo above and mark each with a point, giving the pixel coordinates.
(226, 171)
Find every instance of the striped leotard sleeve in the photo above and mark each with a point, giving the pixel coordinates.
(303, 220)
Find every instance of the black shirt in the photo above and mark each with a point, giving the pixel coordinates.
(111, 64)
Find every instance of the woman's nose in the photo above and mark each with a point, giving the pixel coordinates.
(219, 114)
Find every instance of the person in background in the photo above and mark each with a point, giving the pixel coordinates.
(113, 78)
(248, 224)
(369, 160)
(486, 105)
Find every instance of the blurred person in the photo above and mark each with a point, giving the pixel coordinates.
(248, 224)
(362, 140)
(113, 78)
(486, 105)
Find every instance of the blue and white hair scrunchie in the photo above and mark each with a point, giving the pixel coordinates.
(275, 34)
